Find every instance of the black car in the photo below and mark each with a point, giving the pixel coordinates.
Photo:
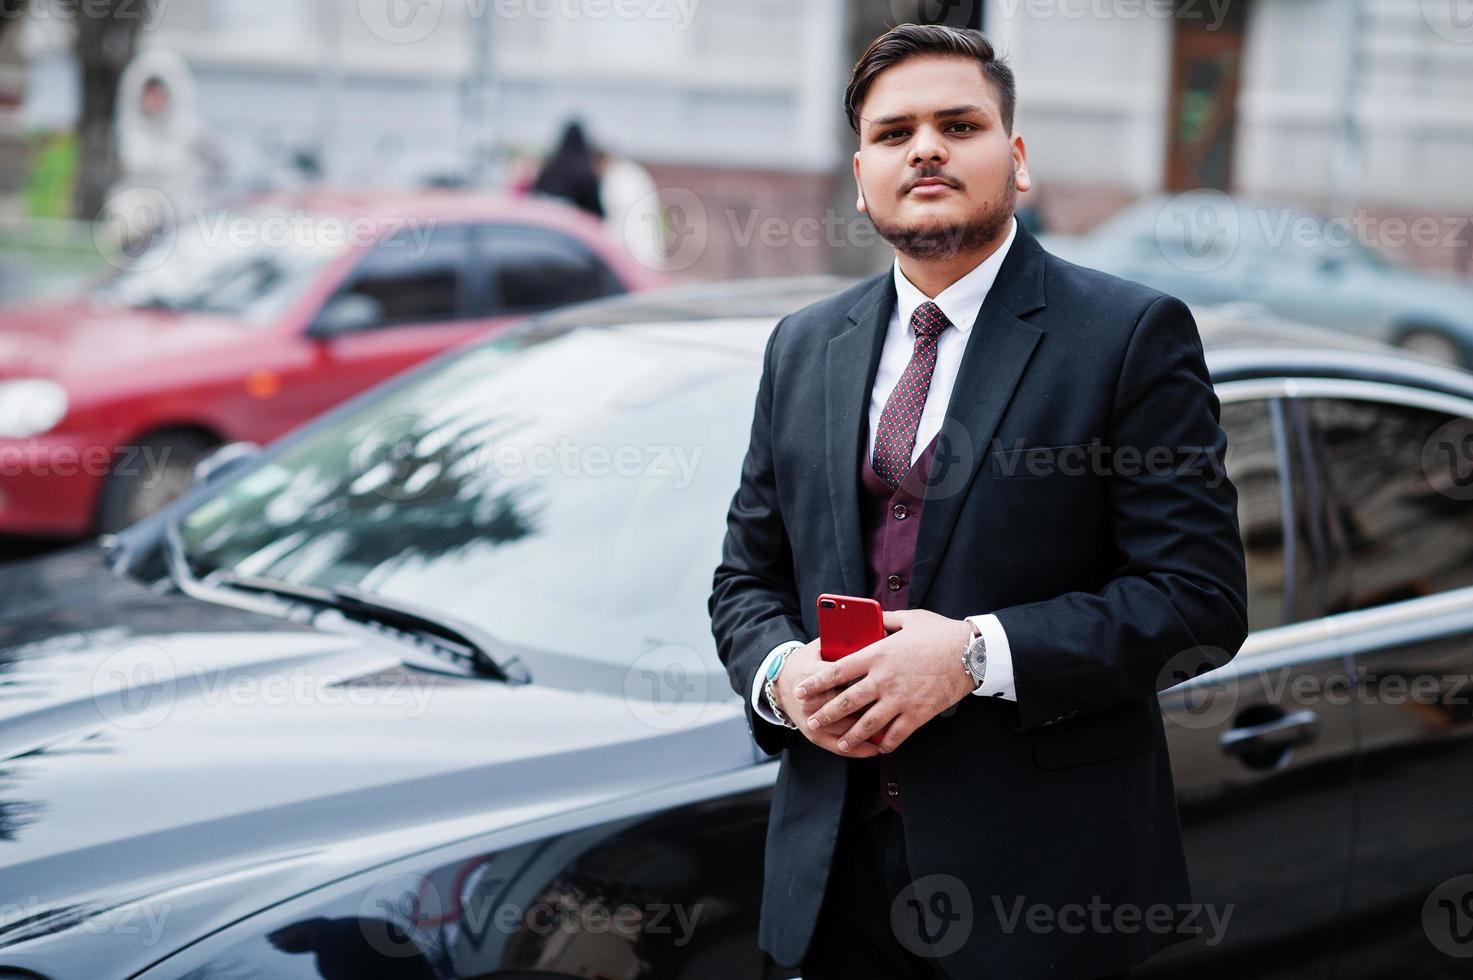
(427, 688)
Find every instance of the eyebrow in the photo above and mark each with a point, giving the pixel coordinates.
(960, 110)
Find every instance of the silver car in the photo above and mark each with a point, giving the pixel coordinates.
(1207, 247)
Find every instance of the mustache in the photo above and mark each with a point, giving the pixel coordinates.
(932, 175)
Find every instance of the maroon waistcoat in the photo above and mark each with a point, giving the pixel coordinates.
(889, 521)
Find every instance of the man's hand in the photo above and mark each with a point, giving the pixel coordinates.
(802, 663)
(904, 680)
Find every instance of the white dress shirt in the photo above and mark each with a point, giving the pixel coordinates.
(961, 302)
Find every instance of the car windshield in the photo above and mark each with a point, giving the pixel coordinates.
(249, 265)
(564, 492)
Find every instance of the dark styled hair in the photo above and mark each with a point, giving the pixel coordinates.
(911, 40)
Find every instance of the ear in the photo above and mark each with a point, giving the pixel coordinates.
(858, 187)
(1020, 163)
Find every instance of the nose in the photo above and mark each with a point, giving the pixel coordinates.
(928, 147)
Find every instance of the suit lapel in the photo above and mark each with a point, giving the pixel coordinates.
(849, 373)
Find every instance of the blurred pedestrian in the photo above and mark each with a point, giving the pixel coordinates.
(162, 148)
(631, 204)
(570, 172)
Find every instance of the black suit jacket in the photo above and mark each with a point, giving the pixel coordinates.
(1104, 570)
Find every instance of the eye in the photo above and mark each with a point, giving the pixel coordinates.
(891, 133)
(964, 126)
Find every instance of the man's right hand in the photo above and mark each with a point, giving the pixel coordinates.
(799, 664)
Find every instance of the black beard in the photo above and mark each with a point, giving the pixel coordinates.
(943, 243)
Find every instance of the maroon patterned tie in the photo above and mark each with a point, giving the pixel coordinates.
(896, 437)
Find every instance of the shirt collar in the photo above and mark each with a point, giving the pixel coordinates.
(962, 300)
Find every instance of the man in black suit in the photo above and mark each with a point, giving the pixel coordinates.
(1021, 460)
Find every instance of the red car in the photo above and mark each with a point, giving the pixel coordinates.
(247, 323)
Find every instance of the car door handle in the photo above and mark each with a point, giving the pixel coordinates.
(1292, 729)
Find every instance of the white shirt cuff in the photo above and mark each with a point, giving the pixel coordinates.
(998, 681)
(759, 696)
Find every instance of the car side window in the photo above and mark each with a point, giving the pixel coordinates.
(537, 268)
(417, 275)
(1253, 466)
(1399, 501)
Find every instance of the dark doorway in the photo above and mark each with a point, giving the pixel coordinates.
(1207, 62)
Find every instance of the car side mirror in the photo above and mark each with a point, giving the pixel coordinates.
(346, 313)
(216, 465)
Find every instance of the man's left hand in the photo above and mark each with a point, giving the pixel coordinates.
(905, 679)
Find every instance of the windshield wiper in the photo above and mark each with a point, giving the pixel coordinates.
(461, 640)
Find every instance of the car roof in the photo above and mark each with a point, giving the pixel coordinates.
(1241, 340)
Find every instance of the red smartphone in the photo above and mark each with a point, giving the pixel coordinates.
(848, 623)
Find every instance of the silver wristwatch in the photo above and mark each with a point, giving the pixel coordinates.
(974, 657)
